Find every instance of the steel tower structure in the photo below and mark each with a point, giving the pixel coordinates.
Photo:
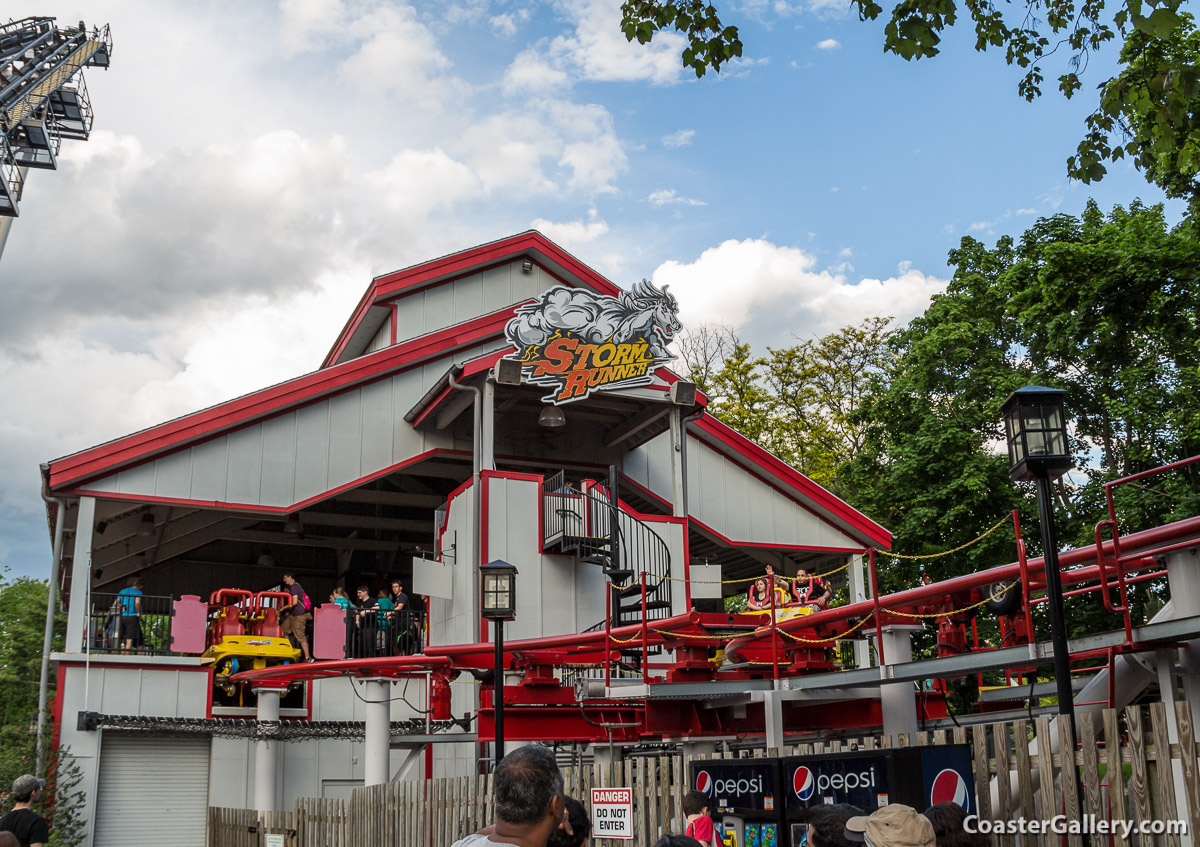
(43, 98)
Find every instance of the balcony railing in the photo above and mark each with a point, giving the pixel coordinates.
(372, 633)
(117, 625)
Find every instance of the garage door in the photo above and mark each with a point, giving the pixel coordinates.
(152, 791)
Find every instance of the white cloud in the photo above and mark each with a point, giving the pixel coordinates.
(598, 50)
(508, 23)
(779, 290)
(681, 138)
(829, 44)
(530, 72)
(571, 234)
(670, 197)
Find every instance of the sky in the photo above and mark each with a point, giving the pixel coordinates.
(254, 164)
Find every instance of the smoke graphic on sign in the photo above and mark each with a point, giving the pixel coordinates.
(576, 342)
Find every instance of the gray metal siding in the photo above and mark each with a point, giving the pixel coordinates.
(449, 303)
(727, 497)
(297, 454)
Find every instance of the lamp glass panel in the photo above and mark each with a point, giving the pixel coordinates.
(1036, 442)
(1055, 443)
(1017, 449)
(1014, 420)
(1052, 415)
(1031, 418)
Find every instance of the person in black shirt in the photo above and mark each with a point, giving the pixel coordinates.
(367, 622)
(27, 825)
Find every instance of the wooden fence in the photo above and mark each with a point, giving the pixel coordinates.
(1127, 766)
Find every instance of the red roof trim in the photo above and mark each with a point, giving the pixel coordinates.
(463, 262)
(746, 448)
(163, 437)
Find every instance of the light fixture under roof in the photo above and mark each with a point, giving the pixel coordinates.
(552, 417)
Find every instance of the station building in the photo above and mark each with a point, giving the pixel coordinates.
(470, 410)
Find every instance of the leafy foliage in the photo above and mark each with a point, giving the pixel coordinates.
(1148, 111)
(22, 627)
(800, 401)
(710, 43)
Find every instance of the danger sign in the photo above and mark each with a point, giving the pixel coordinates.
(612, 812)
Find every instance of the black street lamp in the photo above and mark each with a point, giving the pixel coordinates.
(498, 604)
(1036, 429)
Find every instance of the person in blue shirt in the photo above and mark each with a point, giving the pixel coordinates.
(129, 631)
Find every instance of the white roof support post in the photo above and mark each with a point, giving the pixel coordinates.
(81, 575)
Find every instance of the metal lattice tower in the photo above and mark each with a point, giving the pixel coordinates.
(43, 98)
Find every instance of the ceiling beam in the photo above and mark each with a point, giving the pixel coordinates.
(441, 470)
(634, 425)
(312, 518)
(288, 540)
(391, 498)
(458, 403)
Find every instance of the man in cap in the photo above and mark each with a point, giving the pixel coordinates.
(896, 825)
(27, 825)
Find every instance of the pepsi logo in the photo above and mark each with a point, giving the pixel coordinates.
(704, 783)
(804, 783)
(950, 787)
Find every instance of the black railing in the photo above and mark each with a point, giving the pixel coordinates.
(125, 623)
(372, 633)
(580, 519)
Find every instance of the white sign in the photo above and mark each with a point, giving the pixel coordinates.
(612, 813)
(432, 578)
(274, 839)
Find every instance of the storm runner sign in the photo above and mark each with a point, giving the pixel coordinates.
(575, 341)
(612, 813)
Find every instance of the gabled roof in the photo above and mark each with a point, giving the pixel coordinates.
(555, 260)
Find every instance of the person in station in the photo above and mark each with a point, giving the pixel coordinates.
(366, 622)
(529, 801)
(338, 598)
(949, 827)
(385, 621)
(896, 825)
(811, 591)
(403, 621)
(27, 825)
(129, 628)
(295, 623)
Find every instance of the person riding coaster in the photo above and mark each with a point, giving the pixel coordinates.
(807, 594)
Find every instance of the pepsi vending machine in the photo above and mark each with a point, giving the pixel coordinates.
(745, 800)
(916, 776)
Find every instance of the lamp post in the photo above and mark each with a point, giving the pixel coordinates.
(498, 604)
(1036, 430)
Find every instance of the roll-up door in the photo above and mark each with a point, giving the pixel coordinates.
(152, 791)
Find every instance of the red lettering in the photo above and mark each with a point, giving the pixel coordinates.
(575, 384)
(559, 354)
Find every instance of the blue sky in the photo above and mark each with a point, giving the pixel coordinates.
(254, 164)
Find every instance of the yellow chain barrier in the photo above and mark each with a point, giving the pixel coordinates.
(999, 524)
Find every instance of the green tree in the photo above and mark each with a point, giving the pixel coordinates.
(1148, 110)
(1104, 306)
(818, 386)
(22, 627)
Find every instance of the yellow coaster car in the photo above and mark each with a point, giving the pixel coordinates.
(244, 634)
